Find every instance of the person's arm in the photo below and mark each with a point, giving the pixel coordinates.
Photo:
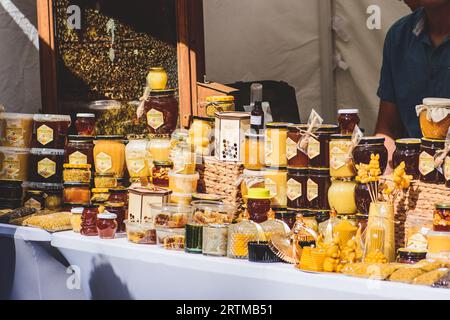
(389, 126)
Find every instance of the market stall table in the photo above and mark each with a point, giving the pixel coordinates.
(30, 268)
(122, 270)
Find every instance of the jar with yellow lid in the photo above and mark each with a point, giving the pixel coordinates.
(254, 151)
(275, 144)
(77, 173)
(275, 179)
(137, 157)
(341, 196)
(251, 179)
(157, 78)
(159, 149)
(109, 155)
(218, 104)
(240, 234)
(341, 163)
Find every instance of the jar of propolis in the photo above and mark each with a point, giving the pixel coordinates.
(46, 165)
(318, 146)
(341, 162)
(296, 188)
(317, 187)
(348, 119)
(368, 146)
(80, 150)
(428, 172)
(50, 130)
(408, 151)
(295, 157)
(275, 144)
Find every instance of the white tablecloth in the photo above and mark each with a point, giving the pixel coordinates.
(30, 268)
(122, 270)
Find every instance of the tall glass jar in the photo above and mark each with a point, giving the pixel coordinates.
(109, 155)
(275, 179)
(348, 119)
(368, 146)
(137, 157)
(295, 157)
(89, 220)
(275, 144)
(341, 162)
(297, 188)
(318, 147)
(408, 151)
(80, 150)
(254, 151)
(317, 186)
(161, 111)
(428, 172)
(159, 148)
(183, 158)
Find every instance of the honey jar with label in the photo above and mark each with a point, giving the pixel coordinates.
(408, 151)
(317, 187)
(80, 150)
(428, 172)
(46, 165)
(275, 144)
(296, 158)
(341, 162)
(161, 111)
(275, 180)
(297, 189)
(368, 146)
(50, 130)
(318, 146)
(109, 155)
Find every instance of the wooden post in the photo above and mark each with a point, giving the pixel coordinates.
(47, 56)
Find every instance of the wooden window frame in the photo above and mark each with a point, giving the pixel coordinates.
(190, 52)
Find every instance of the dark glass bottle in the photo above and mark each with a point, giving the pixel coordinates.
(257, 117)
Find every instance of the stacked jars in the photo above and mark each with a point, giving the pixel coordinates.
(341, 195)
(46, 161)
(253, 176)
(361, 154)
(276, 162)
(428, 169)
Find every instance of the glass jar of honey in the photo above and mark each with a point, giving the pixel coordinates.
(348, 119)
(159, 149)
(183, 158)
(275, 179)
(318, 147)
(85, 124)
(408, 151)
(428, 172)
(295, 157)
(441, 219)
(16, 129)
(109, 155)
(341, 162)
(106, 225)
(161, 111)
(46, 165)
(218, 104)
(77, 173)
(77, 193)
(89, 220)
(254, 151)
(275, 144)
(317, 187)
(368, 146)
(119, 209)
(50, 130)
(296, 188)
(137, 157)
(160, 173)
(80, 150)
(362, 198)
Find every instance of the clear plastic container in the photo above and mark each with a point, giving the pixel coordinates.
(14, 163)
(171, 239)
(16, 129)
(183, 183)
(211, 212)
(141, 232)
(159, 149)
(170, 215)
(137, 157)
(181, 198)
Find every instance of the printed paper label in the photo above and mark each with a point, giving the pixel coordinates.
(312, 190)
(294, 189)
(271, 185)
(155, 118)
(78, 158)
(313, 148)
(256, 120)
(426, 163)
(103, 162)
(44, 135)
(46, 168)
(338, 157)
(10, 167)
(14, 133)
(136, 165)
(291, 148)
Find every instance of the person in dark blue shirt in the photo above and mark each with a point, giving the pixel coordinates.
(416, 65)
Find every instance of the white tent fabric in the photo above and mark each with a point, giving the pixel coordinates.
(19, 57)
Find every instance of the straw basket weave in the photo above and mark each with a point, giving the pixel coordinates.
(221, 178)
(415, 207)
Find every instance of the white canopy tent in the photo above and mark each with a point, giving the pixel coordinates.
(246, 40)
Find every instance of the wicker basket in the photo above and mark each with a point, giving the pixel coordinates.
(219, 177)
(415, 207)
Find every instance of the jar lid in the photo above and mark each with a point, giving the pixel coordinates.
(320, 171)
(351, 111)
(16, 116)
(443, 206)
(431, 142)
(90, 206)
(107, 215)
(328, 128)
(76, 184)
(100, 190)
(408, 141)
(114, 204)
(269, 168)
(77, 210)
(76, 138)
(258, 193)
(47, 152)
(296, 171)
(15, 150)
(51, 117)
(297, 127)
(10, 184)
(341, 137)
(278, 125)
(42, 185)
(307, 214)
(105, 175)
(109, 137)
(104, 105)
(85, 115)
(436, 102)
(361, 216)
(136, 137)
(163, 163)
(203, 118)
(372, 140)
(76, 166)
(220, 99)
(118, 190)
